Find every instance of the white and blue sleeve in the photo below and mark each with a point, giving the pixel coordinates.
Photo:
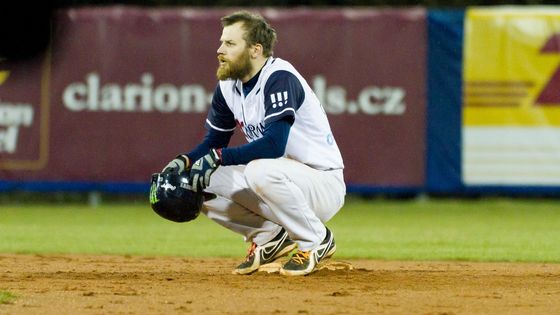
(283, 95)
(220, 117)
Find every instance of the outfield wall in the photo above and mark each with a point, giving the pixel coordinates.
(121, 90)
(493, 101)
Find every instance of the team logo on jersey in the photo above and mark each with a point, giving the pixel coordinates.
(279, 99)
(330, 139)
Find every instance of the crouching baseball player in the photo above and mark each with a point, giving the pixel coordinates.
(280, 188)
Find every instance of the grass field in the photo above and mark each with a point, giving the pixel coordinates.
(524, 230)
(6, 297)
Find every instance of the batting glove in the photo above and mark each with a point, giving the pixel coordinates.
(203, 168)
(179, 164)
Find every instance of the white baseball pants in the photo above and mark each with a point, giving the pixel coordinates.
(258, 199)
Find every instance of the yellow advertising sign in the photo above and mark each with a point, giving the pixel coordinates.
(511, 96)
(512, 67)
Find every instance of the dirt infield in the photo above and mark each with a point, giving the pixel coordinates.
(72, 284)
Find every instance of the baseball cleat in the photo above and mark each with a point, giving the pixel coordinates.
(303, 263)
(281, 245)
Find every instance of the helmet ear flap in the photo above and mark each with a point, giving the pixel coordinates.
(171, 197)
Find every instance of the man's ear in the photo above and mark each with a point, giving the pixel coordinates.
(256, 50)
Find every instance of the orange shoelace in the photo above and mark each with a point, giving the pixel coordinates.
(251, 250)
(300, 257)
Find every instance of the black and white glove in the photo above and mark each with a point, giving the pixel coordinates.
(203, 168)
(179, 164)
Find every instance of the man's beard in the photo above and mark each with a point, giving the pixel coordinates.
(237, 69)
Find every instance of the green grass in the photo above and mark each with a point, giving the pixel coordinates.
(435, 229)
(6, 297)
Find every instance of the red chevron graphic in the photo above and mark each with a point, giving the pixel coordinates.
(551, 92)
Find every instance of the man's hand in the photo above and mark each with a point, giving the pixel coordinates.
(179, 164)
(203, 168)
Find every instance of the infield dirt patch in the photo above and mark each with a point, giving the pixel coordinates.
(75, 284)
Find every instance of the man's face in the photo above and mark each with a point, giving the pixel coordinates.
(233, 54)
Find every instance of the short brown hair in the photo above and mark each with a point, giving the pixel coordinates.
(258, 31)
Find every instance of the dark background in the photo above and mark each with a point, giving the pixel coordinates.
(284, 3)
(25, 25)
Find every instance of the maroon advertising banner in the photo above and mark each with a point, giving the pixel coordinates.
(122, 90)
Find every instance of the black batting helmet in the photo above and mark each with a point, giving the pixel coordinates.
(171, 197)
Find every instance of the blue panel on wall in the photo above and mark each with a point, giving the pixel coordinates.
(445, 55)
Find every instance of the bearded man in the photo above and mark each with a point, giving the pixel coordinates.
(280, 188)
